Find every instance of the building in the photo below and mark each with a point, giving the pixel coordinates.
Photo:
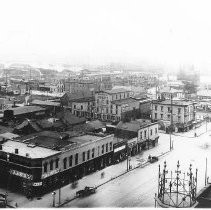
(183, 113)
(115, 104)
(41, 162)
(168, 92)
(139, 134)
(24, 112)
(84, 107)
(81, 104)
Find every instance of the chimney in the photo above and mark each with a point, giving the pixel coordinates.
(16, 151)
(0, 146)
(27, 154)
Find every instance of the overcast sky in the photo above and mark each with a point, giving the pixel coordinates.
(99, 31)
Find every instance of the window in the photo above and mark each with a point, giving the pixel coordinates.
(84, 156)
(88, 154)
(97, 109)
(70, 161)
(161, 108)
(116, 109)
(145, 134)
(51, 165)
(179, 118)
(98, 101)
(106, 110)
(110, 146)
(128, 95)
(81, 107)
(57, 163)
(45, 167)
(141, 135)
(93, 152)
(98, 150)
(107, 147)
(103, 149)
(161, 116)
(74, 106)
(156, 115)
(107, 101)
(120, 96)
(169, 109)
(179, 110)
(151, 132)
(156, 107)
(65, 163)
(168, 116)
(76, 159)
(156, 130)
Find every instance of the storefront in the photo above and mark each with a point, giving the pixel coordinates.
(120, 150)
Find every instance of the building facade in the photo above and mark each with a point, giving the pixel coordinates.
(181, 113)
(38, 168)
(112, 105)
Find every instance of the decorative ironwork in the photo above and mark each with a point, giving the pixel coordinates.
(176, 189)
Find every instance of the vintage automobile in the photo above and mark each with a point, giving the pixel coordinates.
(86, 191)
(152, 159)
(3, 203)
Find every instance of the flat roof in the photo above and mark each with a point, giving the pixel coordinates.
(34, 152)
(84, 139)
(174, 103)
(118, 90)
(45, 103)
(25, 109)
(124, 101)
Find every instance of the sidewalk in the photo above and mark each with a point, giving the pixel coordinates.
(199, 131)
(67, 193)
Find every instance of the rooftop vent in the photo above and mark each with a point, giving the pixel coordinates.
(16, 151)
(27, 154)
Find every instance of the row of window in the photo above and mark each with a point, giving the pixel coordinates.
(145, 133)
(115, 97)
(169, 109)
(168, 117)
(107, 111)
(90, 154)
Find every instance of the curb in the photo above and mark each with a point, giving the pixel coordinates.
(113, 178)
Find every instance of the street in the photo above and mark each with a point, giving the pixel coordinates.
(138, 187)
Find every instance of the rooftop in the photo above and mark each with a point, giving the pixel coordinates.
(33, 152)
(45, 103)
(133, 125)
(25, 109)
(174, 102)
(118, 90)
(124, 101)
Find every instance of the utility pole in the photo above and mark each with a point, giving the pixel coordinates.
(171, 120)
(206, 173)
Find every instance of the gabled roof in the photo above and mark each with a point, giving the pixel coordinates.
(96, 124)
(69, 119)
(77, 96)
(133, 126)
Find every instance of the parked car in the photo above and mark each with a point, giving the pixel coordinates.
(152, 159)
(86, 191)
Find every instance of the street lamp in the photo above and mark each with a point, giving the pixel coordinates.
(54, 197)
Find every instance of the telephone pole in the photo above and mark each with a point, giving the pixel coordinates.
(171, 122)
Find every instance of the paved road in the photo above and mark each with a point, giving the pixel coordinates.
(137, 188)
